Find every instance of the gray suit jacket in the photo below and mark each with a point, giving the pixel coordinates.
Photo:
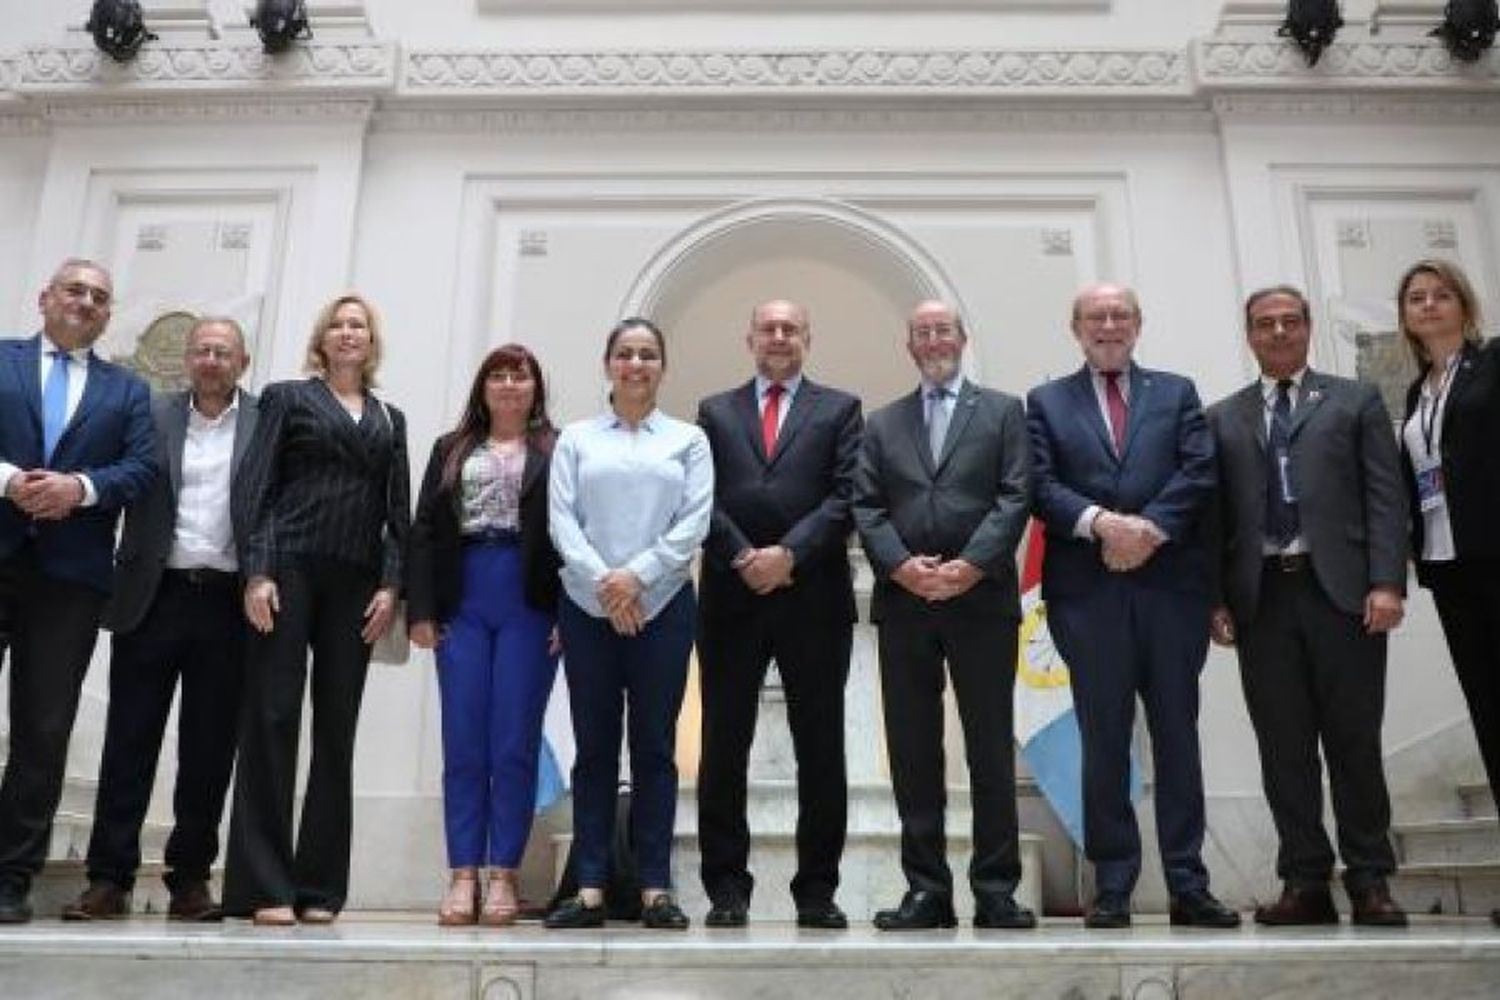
(150, 522)
(970, 504)
(1351, 501)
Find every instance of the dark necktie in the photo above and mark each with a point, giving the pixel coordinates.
(937, 421)
(770, 417)
(1114, 402)
(1281, 501)
(55, 403)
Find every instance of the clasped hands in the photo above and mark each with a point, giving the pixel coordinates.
(44, 494)
(934, 579)
(1126, 541)
(765, 570)
(619, 592)
(263, 604)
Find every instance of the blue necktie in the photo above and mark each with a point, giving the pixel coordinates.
(937, 421)
(55, 403)
(1282, 522)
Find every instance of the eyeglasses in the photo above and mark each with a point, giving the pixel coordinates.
(78, 290)
(938, 331)
(1119, 317)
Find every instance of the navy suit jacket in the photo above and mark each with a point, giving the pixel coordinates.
(109, 439)
(1165, 473)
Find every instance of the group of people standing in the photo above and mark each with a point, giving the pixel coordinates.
(1277, 521)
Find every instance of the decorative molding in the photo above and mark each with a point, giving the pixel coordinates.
(449, 72)
(209, 66)
(1157, 118)
(1387, 107)
(200, 112)
(1221, 63)
(779, 6)
(16, 126)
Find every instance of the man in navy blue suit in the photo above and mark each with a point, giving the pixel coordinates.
(1124, 474)
(76, 445)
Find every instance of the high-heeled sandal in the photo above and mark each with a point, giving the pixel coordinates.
(460, 906)
(274, 916)
(502, 904)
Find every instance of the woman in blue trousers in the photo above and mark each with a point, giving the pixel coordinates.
(629, 503)
(482, 589)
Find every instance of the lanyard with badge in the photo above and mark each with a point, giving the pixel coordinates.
(1428, 466)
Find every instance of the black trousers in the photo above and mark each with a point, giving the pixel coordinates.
(980, 653)
(1467, 593)
(194, 630)
(322, 606)
(813, 660)
(54, 625)
(1314, 677)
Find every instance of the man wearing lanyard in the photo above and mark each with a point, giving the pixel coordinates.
(176, 615)
(75, 447)
(1312, 572)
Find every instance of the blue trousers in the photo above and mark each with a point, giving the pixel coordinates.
(494, 678)
(609, 673)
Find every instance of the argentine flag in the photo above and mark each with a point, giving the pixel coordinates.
(555, 761)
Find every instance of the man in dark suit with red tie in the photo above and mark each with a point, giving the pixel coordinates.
(776, 585)
(76, 445)
(1124, 468)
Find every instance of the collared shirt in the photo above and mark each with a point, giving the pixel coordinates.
(789, 391)
(204, 534)
(1423, 436)
(1084, 526)
(951, 389)
(629, 498)
(78, 376)
(1298, 545)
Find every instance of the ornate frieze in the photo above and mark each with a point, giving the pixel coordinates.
(1369, 62)
(361, 65)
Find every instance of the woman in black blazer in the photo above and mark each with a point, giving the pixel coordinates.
(324, 489)
(1448, 439)
(482, 588)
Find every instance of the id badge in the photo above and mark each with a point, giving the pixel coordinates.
(1284, 474)
(1429, 484)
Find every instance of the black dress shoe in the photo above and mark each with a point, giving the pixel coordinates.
(1495, 917)
(1374, 907)
(1308, 906)
(574, 914)
(663, 914)
(822, 916)
(13, 906)
(1110, 911)
(100, 901)
(728, 913)
(194, 903)
(1002, 913)
(920, 910)
(1201, 909)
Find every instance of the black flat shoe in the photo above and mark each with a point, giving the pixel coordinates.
(1201, 909)
(1110, 911)
(920, 910)
(574, 914)
(663, 914)
(729, 913)
(1002, 913)
(822, 916)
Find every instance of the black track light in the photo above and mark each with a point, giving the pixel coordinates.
(280, 23)
(118, 28)
(1311, 24)
(1468, 28)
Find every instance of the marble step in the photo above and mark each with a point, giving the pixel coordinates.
(71, 830)
(1449, 841)
(772, 808)
(870, 872)
(1464, 889)
(1477, 799)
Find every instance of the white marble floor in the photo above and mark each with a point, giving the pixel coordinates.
(405, 955)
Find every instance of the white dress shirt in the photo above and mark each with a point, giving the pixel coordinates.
(204, 534)
(1437, 526)
(1298, 545)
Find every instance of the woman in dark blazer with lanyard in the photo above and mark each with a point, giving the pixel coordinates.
(481, 587)
(324, 490)
(1448, 442)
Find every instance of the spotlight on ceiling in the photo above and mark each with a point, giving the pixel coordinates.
(1311, 24)
(280, 23)
(118, 28)
(1468, 28)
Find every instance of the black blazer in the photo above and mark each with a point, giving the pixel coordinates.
(151, 520)
(315, 483)
(798, 498)
(1471, 475)
(971, 504)
(434, 570)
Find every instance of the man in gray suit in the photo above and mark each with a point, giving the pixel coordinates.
(175, 613)
(1312, 573)
(940, 500)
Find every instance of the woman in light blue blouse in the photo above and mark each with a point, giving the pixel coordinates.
(629, 500)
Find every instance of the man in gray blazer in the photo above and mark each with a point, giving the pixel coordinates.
(175, 614)
(940, 500)
(1312, 573)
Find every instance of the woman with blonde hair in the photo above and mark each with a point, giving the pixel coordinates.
(323, 493)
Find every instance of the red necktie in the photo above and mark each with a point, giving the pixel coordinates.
(770, 417)
(1114, 402)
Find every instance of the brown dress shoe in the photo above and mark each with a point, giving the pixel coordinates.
(1374, 907)
(100, 901)
(1304, 907)
(193, 902)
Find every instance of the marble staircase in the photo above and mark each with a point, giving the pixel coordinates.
(1452, 865)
